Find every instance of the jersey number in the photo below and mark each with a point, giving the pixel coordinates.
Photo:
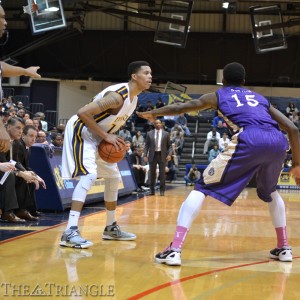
(249, 98)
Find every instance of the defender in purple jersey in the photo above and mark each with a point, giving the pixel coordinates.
(257, 147)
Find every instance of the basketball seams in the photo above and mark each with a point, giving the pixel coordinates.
(109, 153)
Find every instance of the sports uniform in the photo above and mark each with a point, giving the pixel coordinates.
(80, 144)
(257, 147)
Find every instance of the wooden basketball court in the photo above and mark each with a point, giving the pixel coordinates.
(225, 255)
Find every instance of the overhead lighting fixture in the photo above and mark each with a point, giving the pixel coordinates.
(225, 5)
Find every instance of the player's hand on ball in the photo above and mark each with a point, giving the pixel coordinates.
(116, 140)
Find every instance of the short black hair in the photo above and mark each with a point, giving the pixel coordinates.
(27, 128)
(234, 73)
(14, 120)
(134, 66)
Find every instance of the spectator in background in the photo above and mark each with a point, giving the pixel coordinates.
(10, 103)
(26, 116)
(139, 171)
(178, 142)
(149, 106)
(289, 110)
(216, 120)
(125, 134)
(213, 153)
(212, 139)
(44, 123)
(37, 123)
(128, 147)
(221, 128)
(57, 141)
(172, 165)
(181, 120)
(21, 113)
(159, 103)
(193, 176)
(138, 139)
(42, 137)
(222, 141)
(5, 117)
(28, 122)
(176, 128)
(20, 105)
(12, 112)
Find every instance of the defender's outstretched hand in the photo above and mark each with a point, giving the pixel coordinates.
(32, 72)
(146, 115)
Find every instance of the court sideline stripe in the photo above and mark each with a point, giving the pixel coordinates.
(168, 284)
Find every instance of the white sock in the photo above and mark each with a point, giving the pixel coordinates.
(277, 210)
(73, 218)
(110, 217)
(190, 209)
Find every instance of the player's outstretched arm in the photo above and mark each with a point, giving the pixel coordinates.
(13, 71)
(204, 102)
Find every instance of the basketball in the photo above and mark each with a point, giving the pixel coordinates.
(109, 153)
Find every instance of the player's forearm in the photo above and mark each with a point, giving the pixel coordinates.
(89, 122)
(12, 71)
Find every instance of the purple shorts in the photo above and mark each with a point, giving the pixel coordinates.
(253, 150)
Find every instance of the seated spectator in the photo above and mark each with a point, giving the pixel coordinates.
(37, 123)
(28, 122)
(149, 106)
(193, 176)
(289, 110)
(213, 153)
(224, 140)
(12, 112)
(159, 103)
(10, 103)
(216, 120)
(56, 141)
(176, 128)
(221, 128)
(26, 116)
(21, 113)
(128, 147)
(20, 105)
(125, 134)
(42, 137)
(61, 128)
(5, 117)
(44, 123)
(212, 139)
(138, 139)
(172, 165)
(139, 171)
(181, 120)
(169, 121)
(178, 141)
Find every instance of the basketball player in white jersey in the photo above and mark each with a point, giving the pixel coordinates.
(98, 121)
(7, 70)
